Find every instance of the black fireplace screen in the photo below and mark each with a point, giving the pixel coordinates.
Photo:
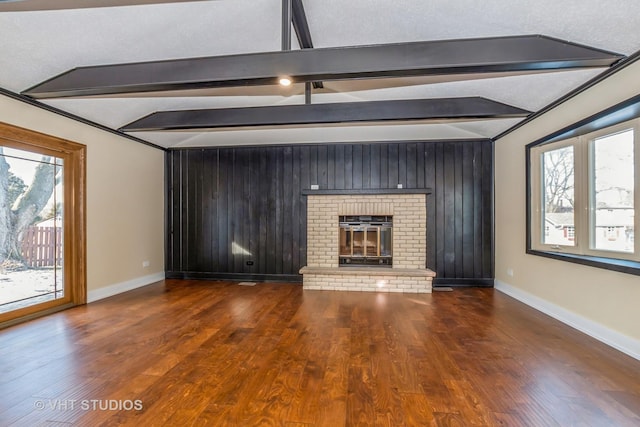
(366, 240)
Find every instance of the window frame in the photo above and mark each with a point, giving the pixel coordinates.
(581, 136)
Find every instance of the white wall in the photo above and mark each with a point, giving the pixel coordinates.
(600, 302)
(125, 200)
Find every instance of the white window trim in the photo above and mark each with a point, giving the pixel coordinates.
(583, 212)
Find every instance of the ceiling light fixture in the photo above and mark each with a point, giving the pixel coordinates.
(285, 81)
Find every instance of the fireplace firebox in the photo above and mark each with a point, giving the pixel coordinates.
(366, 240)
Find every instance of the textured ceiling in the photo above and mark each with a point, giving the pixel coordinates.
(37, 45)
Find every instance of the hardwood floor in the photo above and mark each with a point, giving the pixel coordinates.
(216, 353)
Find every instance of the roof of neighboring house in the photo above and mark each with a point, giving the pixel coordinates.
(560, 218)
(614, 218)
(620, 217)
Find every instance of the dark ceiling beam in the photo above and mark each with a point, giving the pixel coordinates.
(441, 57)
(301, 27)
(320, 114)
(286, 24)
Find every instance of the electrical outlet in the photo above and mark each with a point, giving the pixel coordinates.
(145, 264)
(510, 272)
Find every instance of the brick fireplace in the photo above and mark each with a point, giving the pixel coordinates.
(407, 271)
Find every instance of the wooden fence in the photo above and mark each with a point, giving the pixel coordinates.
(42, 246)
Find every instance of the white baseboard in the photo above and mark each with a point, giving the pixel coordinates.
(608, 336)
(121, 287)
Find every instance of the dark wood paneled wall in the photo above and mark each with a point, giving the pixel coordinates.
(230, 207)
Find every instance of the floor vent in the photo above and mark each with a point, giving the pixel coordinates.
(442, 289)
(247, 283)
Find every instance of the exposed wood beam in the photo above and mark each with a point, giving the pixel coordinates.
(316, 114)
(301, 26)
(307, 93)
(286, 25)
(441, 57)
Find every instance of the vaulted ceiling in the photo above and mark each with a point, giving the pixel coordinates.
(417, 70)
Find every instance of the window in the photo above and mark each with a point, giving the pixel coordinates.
(612, 192)
(584, 193)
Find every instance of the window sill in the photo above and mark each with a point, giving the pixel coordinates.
(619, 265)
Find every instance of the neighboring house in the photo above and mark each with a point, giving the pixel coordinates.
(559, 228)
(614, 228)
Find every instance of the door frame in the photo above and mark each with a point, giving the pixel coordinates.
(74, 221)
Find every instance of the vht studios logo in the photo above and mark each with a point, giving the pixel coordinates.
(89, 405)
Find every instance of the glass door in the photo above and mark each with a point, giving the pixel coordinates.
(42, 224)
(31, 229)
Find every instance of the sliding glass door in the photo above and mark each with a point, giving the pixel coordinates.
(42, 255)
(31, 225)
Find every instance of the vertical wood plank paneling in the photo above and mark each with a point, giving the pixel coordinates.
(429, 172)
(331, 167)
(184, 213)
(402, 165)
(477, 210)
(467, 210)
(421, 167)
(297, 216)
(487, 209)
(252, 196)
(366, 166)
(384, 166)
(264, 188)
(323, 179)
(253, 183)
(174, 238)
(231, 182)
(313, 165)
(247, 204)
(357, 166)
(197, 212)
(215, 176)
(239, 216)
(279, 213)
(348, 166)
(449, 210)
(438, 197)
(169, 180)
(223, 209)
(339, 167)
(411, 178)
(304, 183)
(393, 166)
(205, 253)
(288, 222)
(269, 213)
(374, 166)
(458, 210)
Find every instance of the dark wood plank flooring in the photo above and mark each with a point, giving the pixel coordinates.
(216, 353)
